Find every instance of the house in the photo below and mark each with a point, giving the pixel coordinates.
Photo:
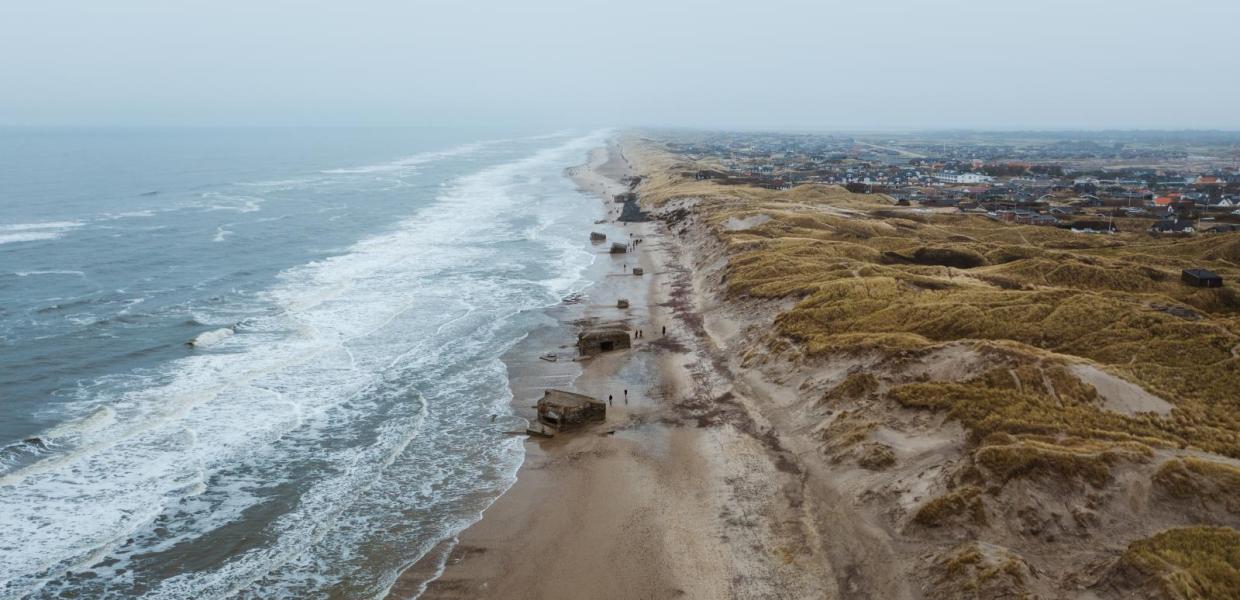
(566, 410)
(607, 338)
(1201, 278)
(1172, 225)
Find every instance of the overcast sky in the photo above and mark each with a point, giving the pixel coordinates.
(825, 64)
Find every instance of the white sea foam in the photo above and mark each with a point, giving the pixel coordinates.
(422, 311)
(132, 214)
(409, 162)
(100, 418)
(50, 272)
(31, 232)
(207, 339)
(214, 201)
(59, 225)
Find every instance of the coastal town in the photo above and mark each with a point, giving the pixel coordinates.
(1179, 184)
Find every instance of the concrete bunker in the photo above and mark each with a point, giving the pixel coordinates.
(598, 340)
(567, 410)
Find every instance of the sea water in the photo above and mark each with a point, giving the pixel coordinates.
(265, 363)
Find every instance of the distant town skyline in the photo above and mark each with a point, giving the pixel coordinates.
(888, 65)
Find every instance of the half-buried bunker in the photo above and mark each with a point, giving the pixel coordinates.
(598, 340)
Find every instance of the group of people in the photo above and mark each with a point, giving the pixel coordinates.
(633, 242)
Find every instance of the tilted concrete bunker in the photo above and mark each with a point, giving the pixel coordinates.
(566, 410)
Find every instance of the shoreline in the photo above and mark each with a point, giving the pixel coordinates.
(610, 279)
(618, 509)
(687, 491)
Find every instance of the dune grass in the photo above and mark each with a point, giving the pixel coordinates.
(964, 503)
(843, 433)
(854, 387)
(1200, 480)
(1191, 563)
(976, 570)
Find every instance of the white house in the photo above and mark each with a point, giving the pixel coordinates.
(962, 178)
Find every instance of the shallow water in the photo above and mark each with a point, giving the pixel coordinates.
(348, 295)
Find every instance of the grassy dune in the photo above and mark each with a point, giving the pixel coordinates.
(1191, 563)
(867, 276)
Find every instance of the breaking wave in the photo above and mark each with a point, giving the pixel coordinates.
(360, 395)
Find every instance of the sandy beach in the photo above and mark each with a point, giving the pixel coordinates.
(665, 499)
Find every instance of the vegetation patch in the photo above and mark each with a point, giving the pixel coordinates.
(961, 505)
(1075, 459)
(1190, 563)
(845, 431)
(1200, 480)
(980, 570)
(876, 457)
(854, 387)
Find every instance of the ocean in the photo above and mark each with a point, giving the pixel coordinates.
(265, 363)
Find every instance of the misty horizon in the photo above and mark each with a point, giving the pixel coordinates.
(783, 65)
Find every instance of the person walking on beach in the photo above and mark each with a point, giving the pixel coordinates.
(626, 397)
(608, 399)
(665, 330)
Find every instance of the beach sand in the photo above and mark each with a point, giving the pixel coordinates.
(663, 500)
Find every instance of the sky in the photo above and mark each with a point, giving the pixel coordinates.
(756, 64)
